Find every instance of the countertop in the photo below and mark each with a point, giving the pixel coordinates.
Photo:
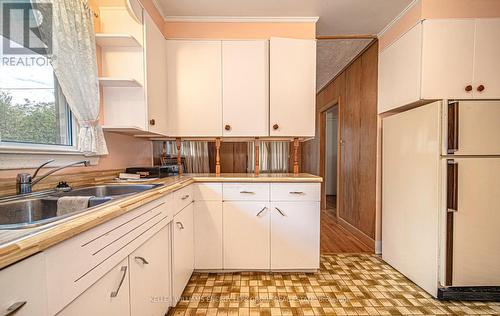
(18, 244)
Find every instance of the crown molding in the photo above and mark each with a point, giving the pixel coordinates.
(398, 17)
(242, 19)
(159, 8)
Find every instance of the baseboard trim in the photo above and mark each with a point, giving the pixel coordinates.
(469, 293)
(378, 247)
(357, 233)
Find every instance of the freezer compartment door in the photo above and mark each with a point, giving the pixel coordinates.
(475, 229)
(473, 128)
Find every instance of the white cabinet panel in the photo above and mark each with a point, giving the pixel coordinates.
(295, 235)
(208, 234)
(295, 192)
(476, 237)
(150, 276)
(400, 67)
(24, 282)
(486, 59)
(182, 251)
(245, 191)
(292, 87)
(447, 62)
(245, 77)
(156, 77)
(182, 198)
(108, 296)
(194, 88)
(207, 191)
(246, 235)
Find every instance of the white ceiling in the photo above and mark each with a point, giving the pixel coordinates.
(336, 17)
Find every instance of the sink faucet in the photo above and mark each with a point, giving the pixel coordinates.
(25, 181)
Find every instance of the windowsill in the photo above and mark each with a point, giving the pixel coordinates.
(32, 156)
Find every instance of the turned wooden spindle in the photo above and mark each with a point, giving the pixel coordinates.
(179, 160)
(296, 156)
(217, 156)
(257, 162)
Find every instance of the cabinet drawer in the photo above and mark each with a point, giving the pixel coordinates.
(22, 285)
(75, 264)
(182, 198)
(207, 191)
(295, 192)
(245, 191)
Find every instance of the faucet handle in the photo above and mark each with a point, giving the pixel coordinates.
(41, 166)
(23, 178)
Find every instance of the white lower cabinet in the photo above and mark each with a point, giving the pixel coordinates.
(182, 251)
(150, 276)
(107, 297)
(246, 235)
(208, 235)
(22, 288)
(295, 235)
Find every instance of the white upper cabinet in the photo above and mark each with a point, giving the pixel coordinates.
(133, 75)
(245, 88)
(194, 88)
(441, 59)
(292, 87)
(447, 67)
(486, 59)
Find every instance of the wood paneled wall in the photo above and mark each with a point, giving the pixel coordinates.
(355, 93)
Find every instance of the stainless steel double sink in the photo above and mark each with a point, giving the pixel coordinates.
(41, 208)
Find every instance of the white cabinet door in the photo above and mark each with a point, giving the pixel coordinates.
(486, 59)
(208, 234)
(149, 276)
(447, 60)
(245, 88)
(22, 289)
(292, 91)
(182, 251)
(156, 76)
(194, 88)
(476, 237)
(246, 235)
(295, 235)
(400, 67)
(108, 296)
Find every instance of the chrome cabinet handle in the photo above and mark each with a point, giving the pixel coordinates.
(281, 212)
(12, 309)
(247, 192)
(297, 192)
(261, 211)
(185, 197)
(124, 274)
(141, 259)
(180, 225)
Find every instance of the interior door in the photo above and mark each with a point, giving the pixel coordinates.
(246, 235)
(292, 87)
(245, 88)
(486, 61)
(476, 218)
(473, 128)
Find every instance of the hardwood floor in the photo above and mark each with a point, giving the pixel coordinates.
(336, 239)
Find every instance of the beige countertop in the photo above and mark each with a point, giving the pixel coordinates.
(18, 244)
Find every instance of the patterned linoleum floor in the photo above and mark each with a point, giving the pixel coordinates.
(347, 284)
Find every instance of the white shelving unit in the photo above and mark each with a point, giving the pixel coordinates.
(119, 82)
(116, 40)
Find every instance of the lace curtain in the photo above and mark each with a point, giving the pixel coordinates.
(274, 157)
(195, 153)
(75, 66)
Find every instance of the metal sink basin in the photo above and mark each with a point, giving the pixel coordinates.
(25, 212)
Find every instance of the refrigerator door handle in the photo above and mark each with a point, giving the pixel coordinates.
(452, 127)
(452, 186)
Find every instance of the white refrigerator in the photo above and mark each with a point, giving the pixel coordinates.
(441, 194)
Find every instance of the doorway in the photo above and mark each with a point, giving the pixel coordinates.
(331, 157)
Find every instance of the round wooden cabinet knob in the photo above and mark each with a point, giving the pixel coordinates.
(152, 122)
(276, 126)
(227, 127)
(480, 88)
(468, 88)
